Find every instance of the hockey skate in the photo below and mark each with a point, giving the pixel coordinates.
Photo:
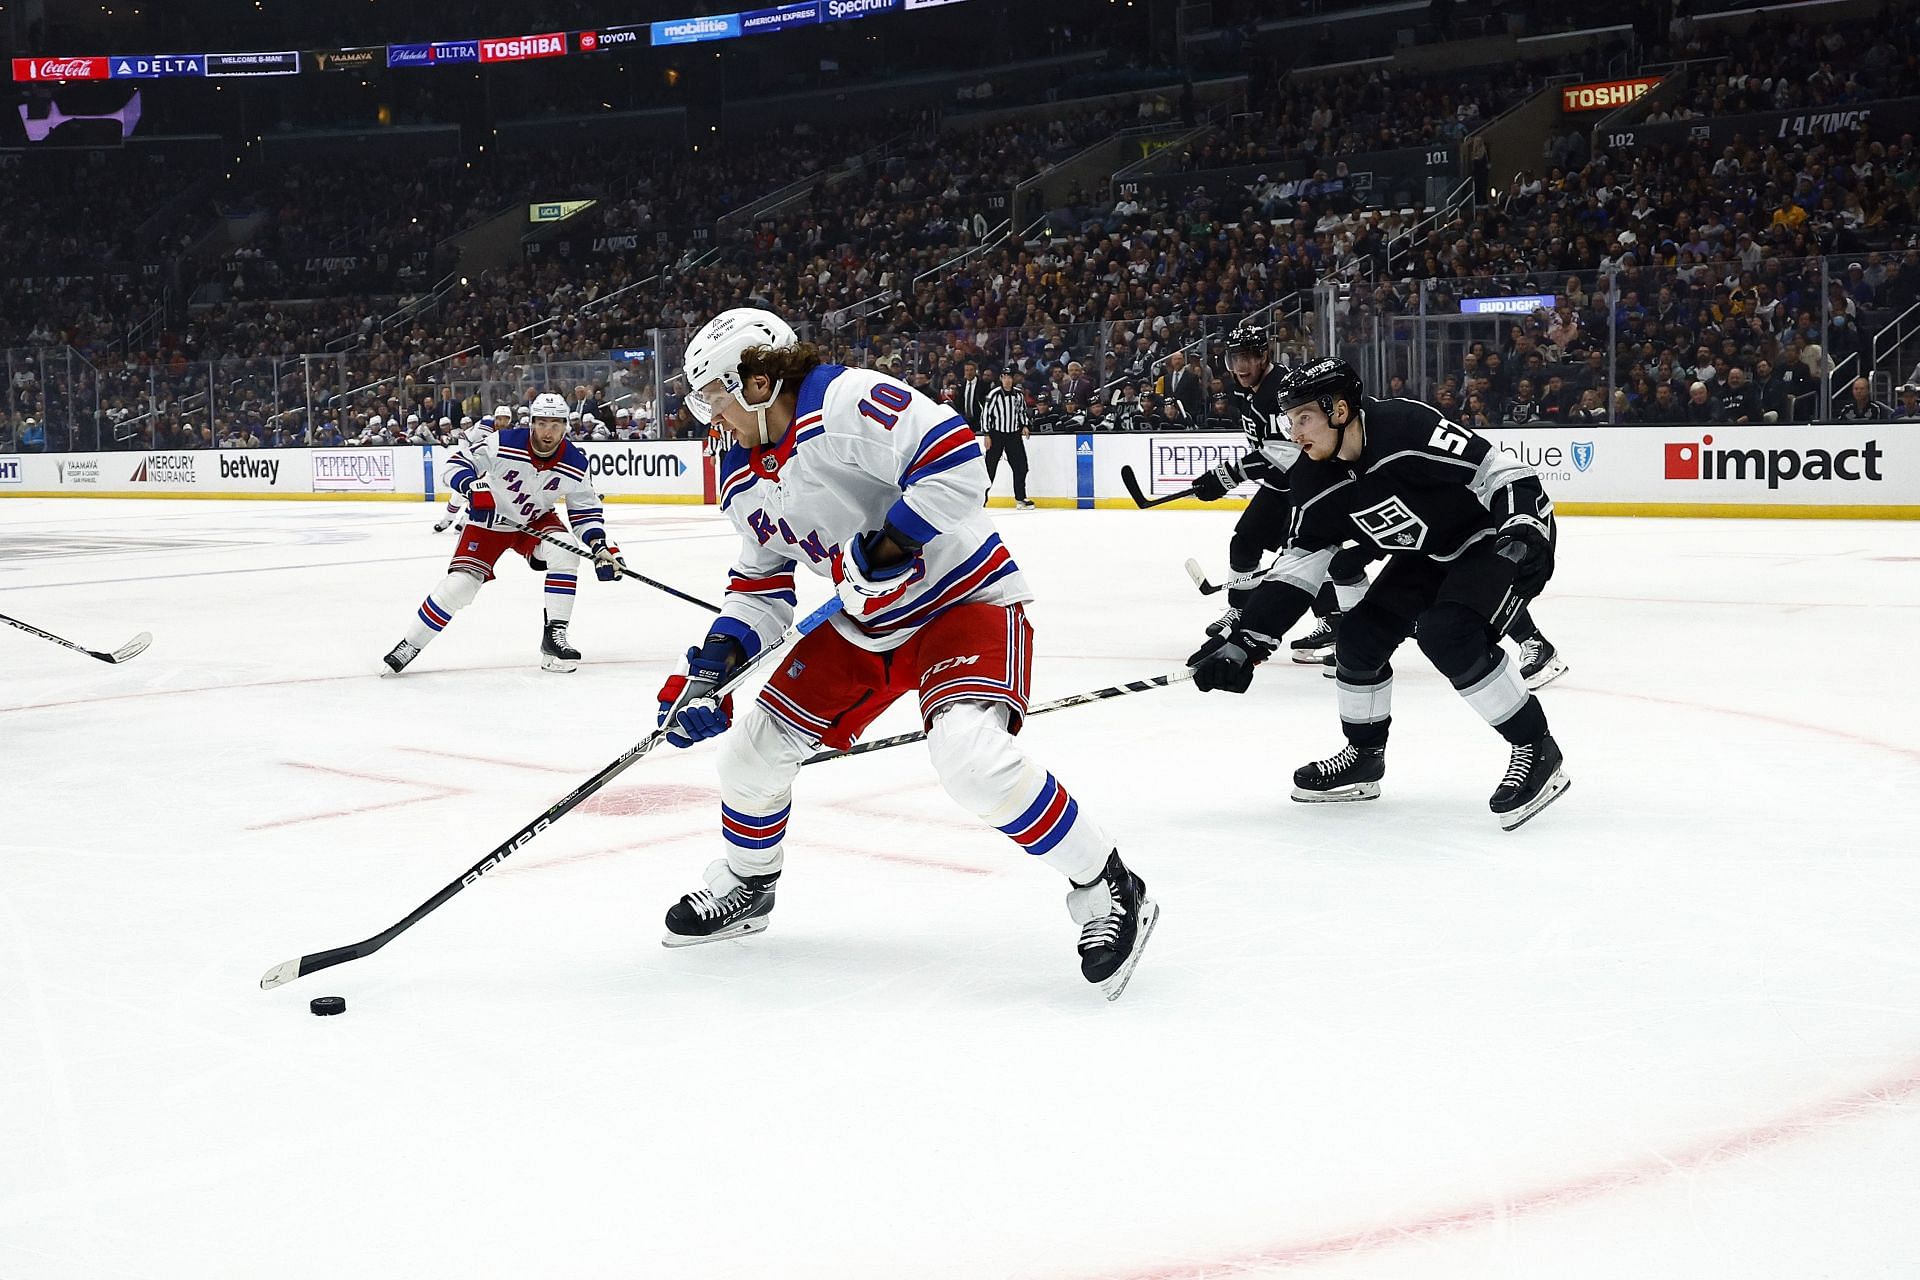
(1023, 504)
(1533, 781)
(1540, 662)
(730, 906)
(398, 658)
(1223, 626)
(1116, 917)
(555, 653)
(444, 523)
(1352, 773)
(1317, 644)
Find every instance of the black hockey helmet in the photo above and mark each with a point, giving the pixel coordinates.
(1321, 383)
(1247, 337)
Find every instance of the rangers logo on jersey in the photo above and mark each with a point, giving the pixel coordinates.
(1393, 525)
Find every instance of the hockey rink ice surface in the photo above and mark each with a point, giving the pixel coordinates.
(1671, 1028)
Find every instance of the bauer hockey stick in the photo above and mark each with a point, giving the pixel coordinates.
(131, 649)
(1251, 578)
(1140, 499)
(554, 539)
(1058, 704)
(291, 969)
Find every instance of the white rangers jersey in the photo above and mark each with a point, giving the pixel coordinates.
(524, 485)
(864, 450)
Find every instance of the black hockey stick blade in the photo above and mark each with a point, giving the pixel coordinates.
(1140, 499)
(1058, 704)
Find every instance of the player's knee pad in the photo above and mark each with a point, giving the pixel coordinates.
(558, 561)
(758, 760)
(1349, 565)
(1458, 642)
(976, 758)
(1366, 642)
(1243, 552)
(458, 591)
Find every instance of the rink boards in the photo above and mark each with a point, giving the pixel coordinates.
(1866, 470)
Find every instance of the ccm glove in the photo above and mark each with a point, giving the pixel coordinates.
(1523, 541)
(1211, 486)
(1227, 662)
(702, 714)
(607, 563)
(480, 508)
(860, 582)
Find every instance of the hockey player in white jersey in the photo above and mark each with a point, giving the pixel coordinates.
(512, 482)
(872, 485)
(470, 436)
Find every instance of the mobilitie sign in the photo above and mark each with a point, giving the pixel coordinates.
(719, 26)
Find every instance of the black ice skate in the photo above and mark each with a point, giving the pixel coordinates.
(399, 657)
(1116, 917)
(1540, 662)
(555, 653)
(444, 523)
(1352, 773)
(730, 906)
(1317, 644)
(1223, 626)
(1534, 780)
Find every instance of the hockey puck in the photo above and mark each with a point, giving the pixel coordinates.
(327, 1006)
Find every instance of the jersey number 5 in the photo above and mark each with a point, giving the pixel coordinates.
(893, 398)
(1448, 438)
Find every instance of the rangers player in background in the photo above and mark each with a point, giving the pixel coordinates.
(471, 437)
(872, 485)
(512, 482)
(1469, 537)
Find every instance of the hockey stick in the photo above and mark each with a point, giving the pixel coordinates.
(300, 968)
(554, 539)
(1058, 704)
(1251, 578)
(131, 649)
(1140, 499)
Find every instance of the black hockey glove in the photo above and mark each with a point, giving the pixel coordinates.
(1227, 662)
(1524, 542)
(1211, 486)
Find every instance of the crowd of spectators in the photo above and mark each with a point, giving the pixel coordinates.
(1732, 281)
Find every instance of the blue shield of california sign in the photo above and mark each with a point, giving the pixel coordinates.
(1582, 454)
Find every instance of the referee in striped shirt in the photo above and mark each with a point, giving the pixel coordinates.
(1005, 416)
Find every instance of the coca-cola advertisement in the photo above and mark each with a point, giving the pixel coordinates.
(57, 69)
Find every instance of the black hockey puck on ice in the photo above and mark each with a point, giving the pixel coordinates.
(327, 1006)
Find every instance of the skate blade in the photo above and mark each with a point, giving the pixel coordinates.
(1309, 657)
(1339, 795)
(756, 925)
(1116, 982)
(550, 663)
(1546, 675)
(1556, 786)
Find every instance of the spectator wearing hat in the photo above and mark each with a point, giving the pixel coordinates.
(1909, 406)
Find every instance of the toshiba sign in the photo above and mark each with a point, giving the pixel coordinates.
(1606, 96)
(520, 48)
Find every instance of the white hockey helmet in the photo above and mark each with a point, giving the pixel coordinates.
(549, 405)
(714, 357)
(503, 413)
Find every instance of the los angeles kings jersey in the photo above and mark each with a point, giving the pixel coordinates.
(864, 450)
(1422, 485)
(1261, 418)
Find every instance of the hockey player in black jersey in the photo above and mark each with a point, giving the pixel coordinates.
(1255, 381)
(1469, 537)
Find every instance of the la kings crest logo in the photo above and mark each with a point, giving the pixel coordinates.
(1393, 525)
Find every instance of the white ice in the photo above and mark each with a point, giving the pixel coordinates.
(1669, 1029)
